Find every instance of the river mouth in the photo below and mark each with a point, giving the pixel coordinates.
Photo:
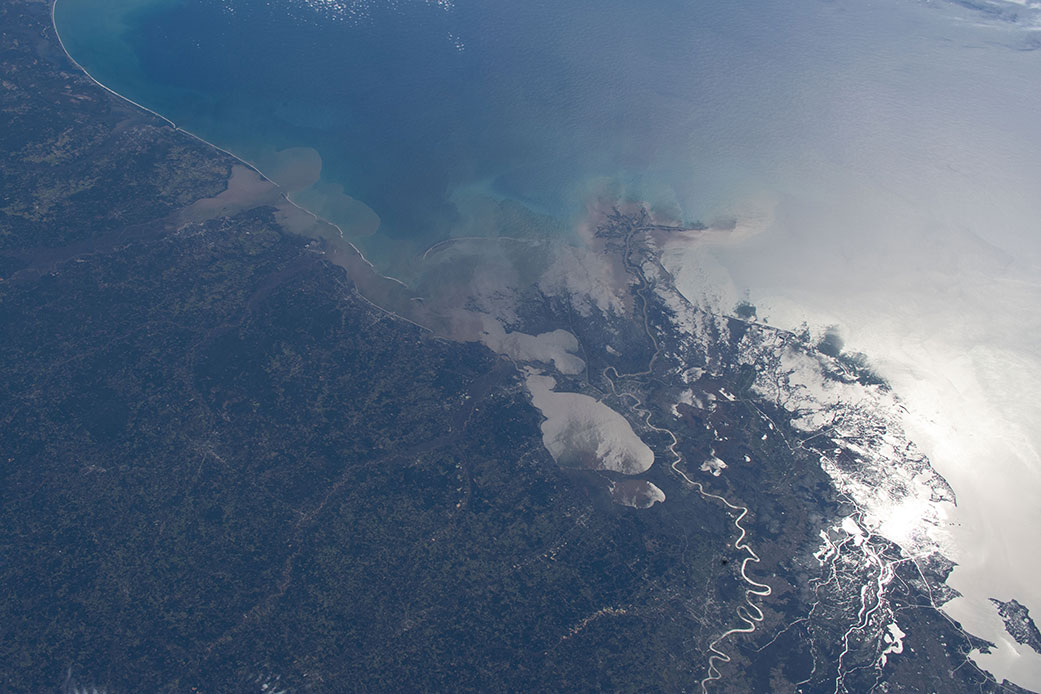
(934, 192)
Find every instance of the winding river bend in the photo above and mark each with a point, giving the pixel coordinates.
(748, 613)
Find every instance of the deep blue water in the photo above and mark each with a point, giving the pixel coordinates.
(889, 151)
(485, 118)
(419, 109)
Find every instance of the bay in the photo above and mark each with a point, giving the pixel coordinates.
(888, 153)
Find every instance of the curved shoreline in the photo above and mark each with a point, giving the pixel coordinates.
(253, 167)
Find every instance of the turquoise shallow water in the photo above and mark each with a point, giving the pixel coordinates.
(433, 113)
(430, 119)
(433, 119)
(890, 151)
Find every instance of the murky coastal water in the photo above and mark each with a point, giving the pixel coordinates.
(883, 160)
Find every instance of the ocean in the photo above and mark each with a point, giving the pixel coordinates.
(883, 158)
(425, 114)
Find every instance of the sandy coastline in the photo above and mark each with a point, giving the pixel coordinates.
(241, 160)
